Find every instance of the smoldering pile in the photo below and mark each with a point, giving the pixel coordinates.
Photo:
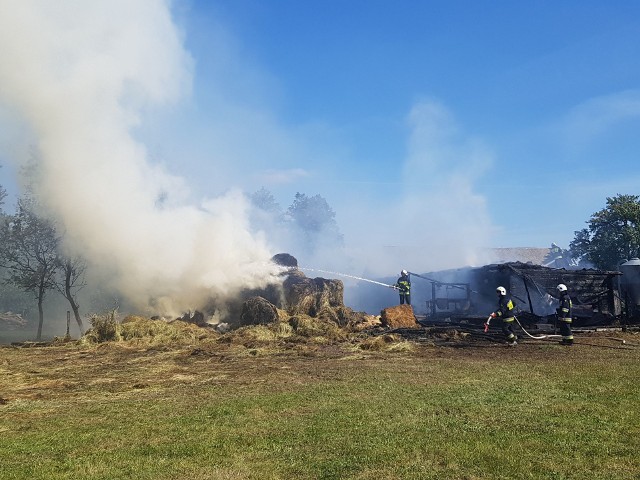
(298, 305)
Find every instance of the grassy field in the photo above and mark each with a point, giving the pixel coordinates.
(221, 409)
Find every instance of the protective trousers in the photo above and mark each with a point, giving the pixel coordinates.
(565, 330)
(405, 298)
(507, 329)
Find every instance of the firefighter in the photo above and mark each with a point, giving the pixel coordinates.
(506, 311)
(404, 287)
(564, 315)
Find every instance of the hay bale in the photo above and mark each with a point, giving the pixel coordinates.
(399, 316)
(285, 260)
(309, 296)
(258, 311)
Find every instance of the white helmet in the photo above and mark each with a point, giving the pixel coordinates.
(562, 287)
(404, 272)
(501, 290)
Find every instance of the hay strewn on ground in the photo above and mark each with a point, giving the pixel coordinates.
(298, 332)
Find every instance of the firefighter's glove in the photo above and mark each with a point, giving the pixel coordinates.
(493, 315)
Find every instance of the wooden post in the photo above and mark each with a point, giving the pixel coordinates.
(68, 322)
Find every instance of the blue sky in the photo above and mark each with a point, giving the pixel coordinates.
(425, 124)
(550, 90)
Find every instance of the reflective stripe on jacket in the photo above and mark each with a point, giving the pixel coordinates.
(404, 285)
(565, 308)
(505, 308)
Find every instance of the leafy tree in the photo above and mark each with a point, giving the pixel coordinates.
(315, 218)
(267, 215)
(29, 253)
(11, 298)
(612, 235)
(265, 201)
(564, 258)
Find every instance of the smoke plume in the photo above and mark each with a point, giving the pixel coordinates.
(81, 75)
(433, 217)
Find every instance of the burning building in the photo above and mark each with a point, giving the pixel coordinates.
(470, 292)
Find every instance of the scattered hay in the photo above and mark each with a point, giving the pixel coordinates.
(104, 328)
(258, 338)
(61, 340)
(300, 334)
(133, 318)
(450, 334)
(286, 334)
(137, 330)
(312, 328)
(259, 333)
(361, 321)
(283, 329)
(387, 343)
(158, 332)
(283, 316)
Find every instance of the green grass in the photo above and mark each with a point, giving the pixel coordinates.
(543, 415)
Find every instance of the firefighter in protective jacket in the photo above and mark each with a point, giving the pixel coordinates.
(506, 312)
(404, 287)
(564, 315)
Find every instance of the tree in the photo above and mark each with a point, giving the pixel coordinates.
(267, 215)
(564, 258)
(265, 201)
(69, 281)
(29, 253)
(315, 219)
(613, 234)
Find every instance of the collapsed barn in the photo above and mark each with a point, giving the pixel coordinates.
(470, 292)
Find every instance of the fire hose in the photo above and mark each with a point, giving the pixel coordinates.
(539, 337)
(625, 344)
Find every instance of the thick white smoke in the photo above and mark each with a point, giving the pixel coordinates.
(80, 74)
